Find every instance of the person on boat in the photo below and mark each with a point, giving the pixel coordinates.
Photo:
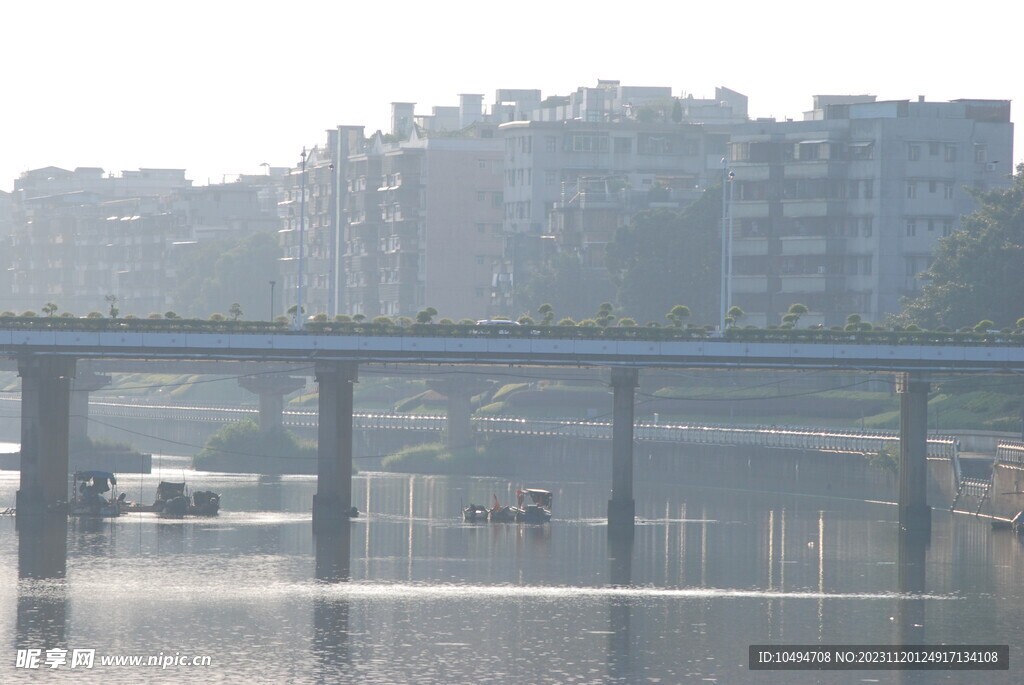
(519, 498)
(497, 506)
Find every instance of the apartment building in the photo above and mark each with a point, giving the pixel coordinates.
(78, 237)
(842, 211)
(649, 145)
(423, 223)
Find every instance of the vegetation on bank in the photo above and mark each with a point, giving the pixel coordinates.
(244, 447)
(488, 458)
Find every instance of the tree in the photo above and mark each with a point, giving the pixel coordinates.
(220, 272)
(426, 315)
(566, 285)
(664, 257)
(734, 315)
(678, 315)
(112, 301)
(796, 310)
(977, 271)
(548, 312)
(235, 311)
(49, 309)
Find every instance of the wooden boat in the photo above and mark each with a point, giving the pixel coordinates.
(174, 499)
(475, 513)
(538, 510)
(89, 495)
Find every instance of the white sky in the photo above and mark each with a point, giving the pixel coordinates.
(221, 86)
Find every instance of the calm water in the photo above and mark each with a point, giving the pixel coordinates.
(413, 595)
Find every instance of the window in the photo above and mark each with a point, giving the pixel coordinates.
(623, 145)
(550, 144)
(911, 190)
(933, 148)
(932, 186)
(479, 259)
(950, 152)
(861, 150)
(550, 177)
(911, 227)
(980, 154)
(496, 199)
(913, 152)
(481, 196)
(869, 189)
(590, 144)
(947, 227)
(947, 191)
(931, 225)
(480, 228)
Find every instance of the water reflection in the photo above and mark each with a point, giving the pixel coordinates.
(331, 610)
(42, 593)
(620, 610)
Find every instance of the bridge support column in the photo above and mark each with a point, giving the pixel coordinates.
(271, 389)
(914, 513)
(45, 412)
(621, 507)
(459, 393)
(333, 498)
(85, 382)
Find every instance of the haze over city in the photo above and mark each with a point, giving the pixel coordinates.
(220, 88)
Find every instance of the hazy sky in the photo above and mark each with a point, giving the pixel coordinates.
(221, 86)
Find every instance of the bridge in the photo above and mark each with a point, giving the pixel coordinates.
(46, 354)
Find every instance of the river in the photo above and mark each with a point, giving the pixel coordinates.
(411, 594)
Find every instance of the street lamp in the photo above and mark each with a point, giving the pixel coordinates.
(298, 324)
(272, 284)
(726, 295)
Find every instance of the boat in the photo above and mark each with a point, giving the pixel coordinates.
(500, 514)
(475, 513)
(174, 500)
(90, 498)
(539, 509)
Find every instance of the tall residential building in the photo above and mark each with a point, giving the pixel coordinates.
(424, 217)
(842, 211)
(639, 139)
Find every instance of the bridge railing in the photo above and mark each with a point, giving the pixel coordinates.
(1010, 452)
(438, 330)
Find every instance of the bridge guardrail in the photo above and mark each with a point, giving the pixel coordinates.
(438, 330)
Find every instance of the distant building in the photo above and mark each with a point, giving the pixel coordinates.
(77, 237)
(642, 140)
(842, 210)
(424, 224)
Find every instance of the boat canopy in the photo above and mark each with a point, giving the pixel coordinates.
(95, 476)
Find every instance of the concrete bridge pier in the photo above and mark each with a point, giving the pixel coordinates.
(85, 382)
(621, 507)
(333, 498)
(45, 411)
(914, 513)
(271, 389)
(459, 392)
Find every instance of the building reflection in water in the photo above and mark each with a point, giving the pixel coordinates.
(331, 609)
(620, 561)
(42, 595)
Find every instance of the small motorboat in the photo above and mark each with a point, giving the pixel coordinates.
(500, 514)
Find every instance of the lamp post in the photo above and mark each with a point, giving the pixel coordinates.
(272, 284)
(298, 325)
(726, 290)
